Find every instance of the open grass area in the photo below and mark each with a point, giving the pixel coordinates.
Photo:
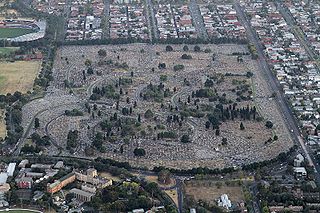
(13, 32)
(7, 50)
(3, 130)
(210, 191)
(109, 176)
(18, 76)
(173, 195)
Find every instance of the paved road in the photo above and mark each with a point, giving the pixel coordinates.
(179, 184)
(106, 30)
(198, 20)
(288, 116)
(152, 20)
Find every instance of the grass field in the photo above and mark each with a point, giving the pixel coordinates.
(7, 50)
(209, 191)
(3, 130)
(18, 76)
(13, 32)
(173, 195)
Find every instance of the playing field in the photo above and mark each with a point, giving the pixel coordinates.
(7, 50)
(18, 76)
(13, 32)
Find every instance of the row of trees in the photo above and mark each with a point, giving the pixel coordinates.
(160, 41)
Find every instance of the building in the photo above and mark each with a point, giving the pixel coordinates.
(91, 177)
(62, 182)
(41, 166)
(3, 177)
(92, 172)
(24, 182)
(298, 160)
(82, 195)
(23, 163)
(4, 187)
(300, 172)
(89, 188)
(138, 211)
(58, 165)
(193, 210)
(11, 168)
(224, 202)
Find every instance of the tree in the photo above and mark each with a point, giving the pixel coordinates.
(269, 124)
(36, 123)
(186, 56)
(217, 132)
(208, 83)
(185, 48)
(249, 74)
(162, 65)
(185, 139)
(169, 48)
(224, 141)
(197, 48)
(139, 152)
(88, 62)
(72, 139)
(148, 114)
(163, 77)
(89, 71)
(102, 53)
(98, 140)
(178, 67)
(208, 124)
(164, 177)
(241, 126)
(275, 137)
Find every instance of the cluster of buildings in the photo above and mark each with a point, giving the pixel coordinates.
(138, 27)
(84, 21)
(307, 17)
(174, 21)
(128, 21)
(6, 173)
(28, 176)
(298, 169)
(90, 181)
(221, 21)
(184, 21)
(118, 21)
(55, 7)
(165, 21)
(296, 72)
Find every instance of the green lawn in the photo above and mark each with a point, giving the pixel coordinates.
(7, 50)
(13, 32)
